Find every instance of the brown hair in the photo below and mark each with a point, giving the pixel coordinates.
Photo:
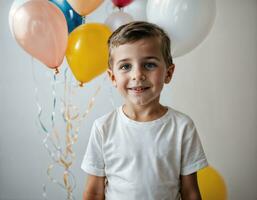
(135, 31)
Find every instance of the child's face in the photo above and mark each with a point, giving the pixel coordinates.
(139, 71)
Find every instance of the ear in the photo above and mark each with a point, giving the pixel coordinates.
(112, 77)
(169, 73)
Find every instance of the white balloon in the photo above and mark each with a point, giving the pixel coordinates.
(187, 22)
(137, 9)
(116, 19)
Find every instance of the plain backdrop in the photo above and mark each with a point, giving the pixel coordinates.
(215, 84)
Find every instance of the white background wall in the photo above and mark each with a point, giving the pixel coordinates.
(216, 84)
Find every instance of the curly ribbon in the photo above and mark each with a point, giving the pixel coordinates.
(62, 157)
(52, 138)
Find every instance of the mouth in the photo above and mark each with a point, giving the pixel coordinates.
(138, 88)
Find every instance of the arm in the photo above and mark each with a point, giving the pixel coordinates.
(189, 187)
(95, 188)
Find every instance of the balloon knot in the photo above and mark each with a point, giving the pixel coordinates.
(81, 84)
(83, 19)
(57, 71)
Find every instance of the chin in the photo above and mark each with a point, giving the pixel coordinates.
(140, 103)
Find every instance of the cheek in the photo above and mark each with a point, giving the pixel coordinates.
(121, 80)
(158, 77)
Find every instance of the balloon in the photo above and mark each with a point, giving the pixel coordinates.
(87, 52)
(15, 5)
(40, 29)
(137, 9)
(84, 7)
(72, 17)
(116, 19)
(121, 3)
(211, 184)
(187, 22)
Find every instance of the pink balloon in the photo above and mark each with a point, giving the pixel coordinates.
(121, 3)
(40, 28)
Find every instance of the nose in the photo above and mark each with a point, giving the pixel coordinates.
(138, 74)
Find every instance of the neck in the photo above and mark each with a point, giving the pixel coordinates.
(144, 113)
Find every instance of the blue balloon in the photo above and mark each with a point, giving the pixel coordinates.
(72, 17)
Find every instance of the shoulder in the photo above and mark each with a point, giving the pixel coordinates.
(107, 120)
(180, 118)
(183, 124)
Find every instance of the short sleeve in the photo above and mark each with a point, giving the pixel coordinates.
(193, 156)
(93, 162)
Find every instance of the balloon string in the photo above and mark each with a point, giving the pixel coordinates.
(54, 100)
(92, 100)
(62, 157)
(40, 111)
(44, 192)
(37, 98)
(57, 152)
(67, 159)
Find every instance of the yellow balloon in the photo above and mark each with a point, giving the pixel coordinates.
(211, 184)
(84, 7)
(87, 52)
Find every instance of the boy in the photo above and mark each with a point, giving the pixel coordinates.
(142, 150)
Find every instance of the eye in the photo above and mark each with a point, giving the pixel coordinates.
(125, 67)
(150, 66)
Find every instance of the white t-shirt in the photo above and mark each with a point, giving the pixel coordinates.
(143, 160)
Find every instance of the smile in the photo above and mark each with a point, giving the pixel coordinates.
(138, 89)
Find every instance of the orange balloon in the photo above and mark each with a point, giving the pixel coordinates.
(40, 28)
(84, 7)
(211, 184)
